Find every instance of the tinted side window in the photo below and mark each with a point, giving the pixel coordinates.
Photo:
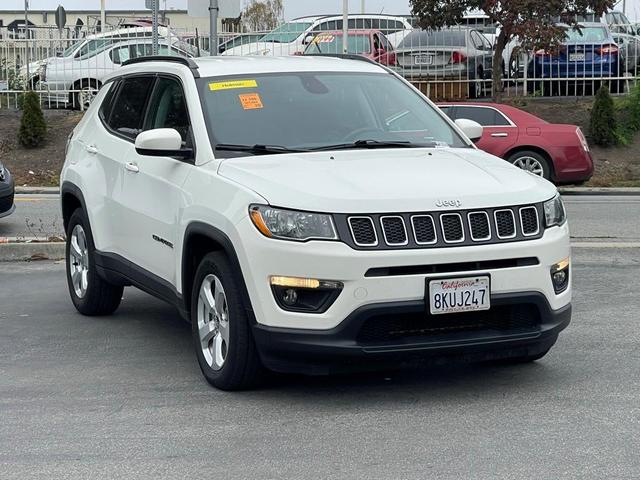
(487, 117)
(129, 108)
(119, 55)
(107, 102)
(168, 108)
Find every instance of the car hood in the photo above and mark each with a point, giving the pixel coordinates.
(381, 181)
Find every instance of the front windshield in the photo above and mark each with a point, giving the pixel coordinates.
(69, 50)
(286, 33)
(301, 111)
(331, 43)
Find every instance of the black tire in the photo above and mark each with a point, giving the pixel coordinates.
(541, 159)
(76, 100)
(101, 297)
(242, 368)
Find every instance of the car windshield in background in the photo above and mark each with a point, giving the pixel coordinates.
(330, 43)
(587, 35)
(286, 33)
(445, 38)
(320, 110)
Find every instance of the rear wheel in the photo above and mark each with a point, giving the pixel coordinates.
(87, 91)
(532, 162)
(90, 294)
(222, 337)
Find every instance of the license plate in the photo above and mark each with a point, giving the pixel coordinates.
(576, 57)
(423, 59)
(453, 295)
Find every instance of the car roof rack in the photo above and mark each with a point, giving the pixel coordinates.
(344, 56)
(187, 62)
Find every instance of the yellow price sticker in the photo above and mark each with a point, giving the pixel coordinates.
(232, 84)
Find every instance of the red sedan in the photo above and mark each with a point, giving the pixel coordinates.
(556, 152)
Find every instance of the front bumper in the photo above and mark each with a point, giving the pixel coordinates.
(366, 339)
(7, 205)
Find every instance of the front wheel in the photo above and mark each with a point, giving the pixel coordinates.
(220, 326)
(90, 294)
(532, 162)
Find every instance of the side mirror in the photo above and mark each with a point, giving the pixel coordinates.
(162, 142)
(380, 52)
(473, 130)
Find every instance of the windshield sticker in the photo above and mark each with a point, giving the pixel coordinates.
(324, 38)
(250, 101)
(233, 84)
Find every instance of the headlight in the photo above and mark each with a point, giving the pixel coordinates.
(291, 224)
(554, 213)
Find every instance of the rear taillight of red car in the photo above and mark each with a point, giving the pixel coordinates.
(458, 57)
(583, 140)
(607, 49)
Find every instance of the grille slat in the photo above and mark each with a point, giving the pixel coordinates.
(505, 223)
(452, 229)
(479, 226)
(363, 231)
(394, 230)
(424, 229)
(529, 221)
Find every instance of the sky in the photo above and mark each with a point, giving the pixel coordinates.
(293, 8)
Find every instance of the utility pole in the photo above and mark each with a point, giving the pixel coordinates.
(103, 15)
(214, 9)
(26, 38)
(345, 26)
(154, 28)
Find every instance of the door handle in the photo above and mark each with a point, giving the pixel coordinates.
(502, 134)
(92, 149)
(131, 167)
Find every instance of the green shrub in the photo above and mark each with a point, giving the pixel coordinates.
(603, 125)
(32, 124)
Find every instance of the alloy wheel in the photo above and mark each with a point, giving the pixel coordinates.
(530, 164)
(79, 261)
(213, 322)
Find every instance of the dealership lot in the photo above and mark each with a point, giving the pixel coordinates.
(123, 395)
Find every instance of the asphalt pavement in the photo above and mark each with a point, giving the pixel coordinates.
(122, 397)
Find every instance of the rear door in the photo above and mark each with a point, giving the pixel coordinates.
(499, 134)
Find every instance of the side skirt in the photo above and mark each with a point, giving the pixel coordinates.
(118, 270)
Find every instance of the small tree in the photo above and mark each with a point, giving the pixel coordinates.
(263, 15)
(602, 126)
(32, 124)
(533, 22)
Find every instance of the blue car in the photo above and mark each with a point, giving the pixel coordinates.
(588, 55)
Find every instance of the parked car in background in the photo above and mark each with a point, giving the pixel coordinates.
(559, 153)
(453, 54)
(238, 40)
(370, 44)
(588, 55)
(629, 46)
(6, 192)
(84, 74)
(292, 37)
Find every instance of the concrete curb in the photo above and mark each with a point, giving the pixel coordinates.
(37, 190)
(621, 191)
(14, 252)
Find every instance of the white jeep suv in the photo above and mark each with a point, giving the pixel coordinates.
(309, 214)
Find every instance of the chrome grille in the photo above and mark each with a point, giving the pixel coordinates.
(424, 229)
(529, 221)
(479, 226)
(452, 229)
(505, 223)
(441, 229)
(394, 230)
(363, 231)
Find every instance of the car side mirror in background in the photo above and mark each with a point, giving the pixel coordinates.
(380, 52)
(162, 142)
(473, 130)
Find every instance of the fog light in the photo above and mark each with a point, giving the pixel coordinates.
(290, 297)
(308, 295)
(560, 276)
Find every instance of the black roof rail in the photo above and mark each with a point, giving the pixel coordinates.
(344, 56)
(187, 62)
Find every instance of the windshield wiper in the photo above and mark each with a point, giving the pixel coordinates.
(257, 149)
(374, 144)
